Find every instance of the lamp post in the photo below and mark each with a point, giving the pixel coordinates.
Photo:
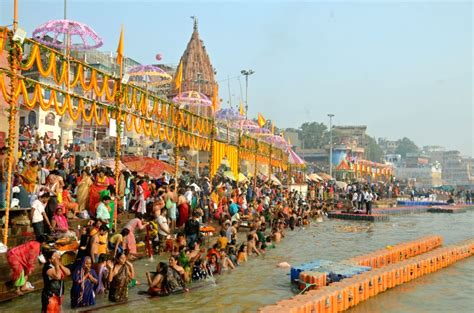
(330, 143)
(246, 73)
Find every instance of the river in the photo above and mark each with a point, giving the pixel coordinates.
(259, 282)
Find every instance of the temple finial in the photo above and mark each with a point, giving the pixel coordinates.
(195, 22)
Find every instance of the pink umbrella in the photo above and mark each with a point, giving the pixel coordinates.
(245, 125)
(295, 159)
(81, 36)
(275, 140)
(193, 98)
(149, 75)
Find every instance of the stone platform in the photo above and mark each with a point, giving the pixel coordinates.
(358, 217)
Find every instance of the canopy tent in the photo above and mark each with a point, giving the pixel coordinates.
(314, 177)
(325, 176)
(147, 166)
(344, 166)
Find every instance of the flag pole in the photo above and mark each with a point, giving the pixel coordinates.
(14, 64)
(118, 139)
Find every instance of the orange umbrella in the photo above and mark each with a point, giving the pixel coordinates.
(147, 166)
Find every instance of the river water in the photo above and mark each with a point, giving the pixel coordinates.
(259, 282)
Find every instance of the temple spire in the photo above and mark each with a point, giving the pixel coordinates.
(196, 60)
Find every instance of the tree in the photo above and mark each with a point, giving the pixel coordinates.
(405, 145)
(314, 135)
(373, 152)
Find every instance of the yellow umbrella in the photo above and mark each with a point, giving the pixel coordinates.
(230, 175)
(242, 178)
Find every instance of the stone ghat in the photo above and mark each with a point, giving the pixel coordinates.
(21, 234)
(342, 295)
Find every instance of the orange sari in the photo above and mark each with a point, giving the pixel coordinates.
(30, 177)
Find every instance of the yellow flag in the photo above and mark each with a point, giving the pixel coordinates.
(273, 128)
(241, 109)
(120, 49)
(261, 120)
(289, 141)
(179, 77)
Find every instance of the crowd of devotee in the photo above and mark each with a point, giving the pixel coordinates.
(198, 228)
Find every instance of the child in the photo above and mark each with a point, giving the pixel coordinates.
(102, 269)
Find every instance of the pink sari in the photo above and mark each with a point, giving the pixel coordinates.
(61, 222)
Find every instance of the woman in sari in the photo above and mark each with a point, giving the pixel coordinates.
(22, 260)
(157, 280)
(122, 273)
(54, 274)
(84, 280)
(83, 189)
(30, 176)
(60, 224)
(68, 202)
(132, 225)
(102, 179)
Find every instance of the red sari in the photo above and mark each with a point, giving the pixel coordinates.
(23, 258)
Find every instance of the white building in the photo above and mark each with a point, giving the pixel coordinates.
(423, 176)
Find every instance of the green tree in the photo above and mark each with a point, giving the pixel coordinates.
(405, 145)
(373, 151)
(314, 135)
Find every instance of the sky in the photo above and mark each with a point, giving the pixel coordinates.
(403, 68)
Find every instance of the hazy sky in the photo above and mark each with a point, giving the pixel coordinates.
(401, 68)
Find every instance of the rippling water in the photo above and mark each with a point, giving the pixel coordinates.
(259, 282)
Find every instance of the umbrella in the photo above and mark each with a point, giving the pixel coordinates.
(294, 158)
(242, 178)
(149, 75)
(325, 176)
(245, 125)
(230, 175)
(147, 166)
(110, 163)
(81, 36)
(193, 98)
(229, 114)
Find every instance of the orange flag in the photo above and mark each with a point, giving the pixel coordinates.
(215, 99)
(120, 49)
(261, 120)
(179, 77)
